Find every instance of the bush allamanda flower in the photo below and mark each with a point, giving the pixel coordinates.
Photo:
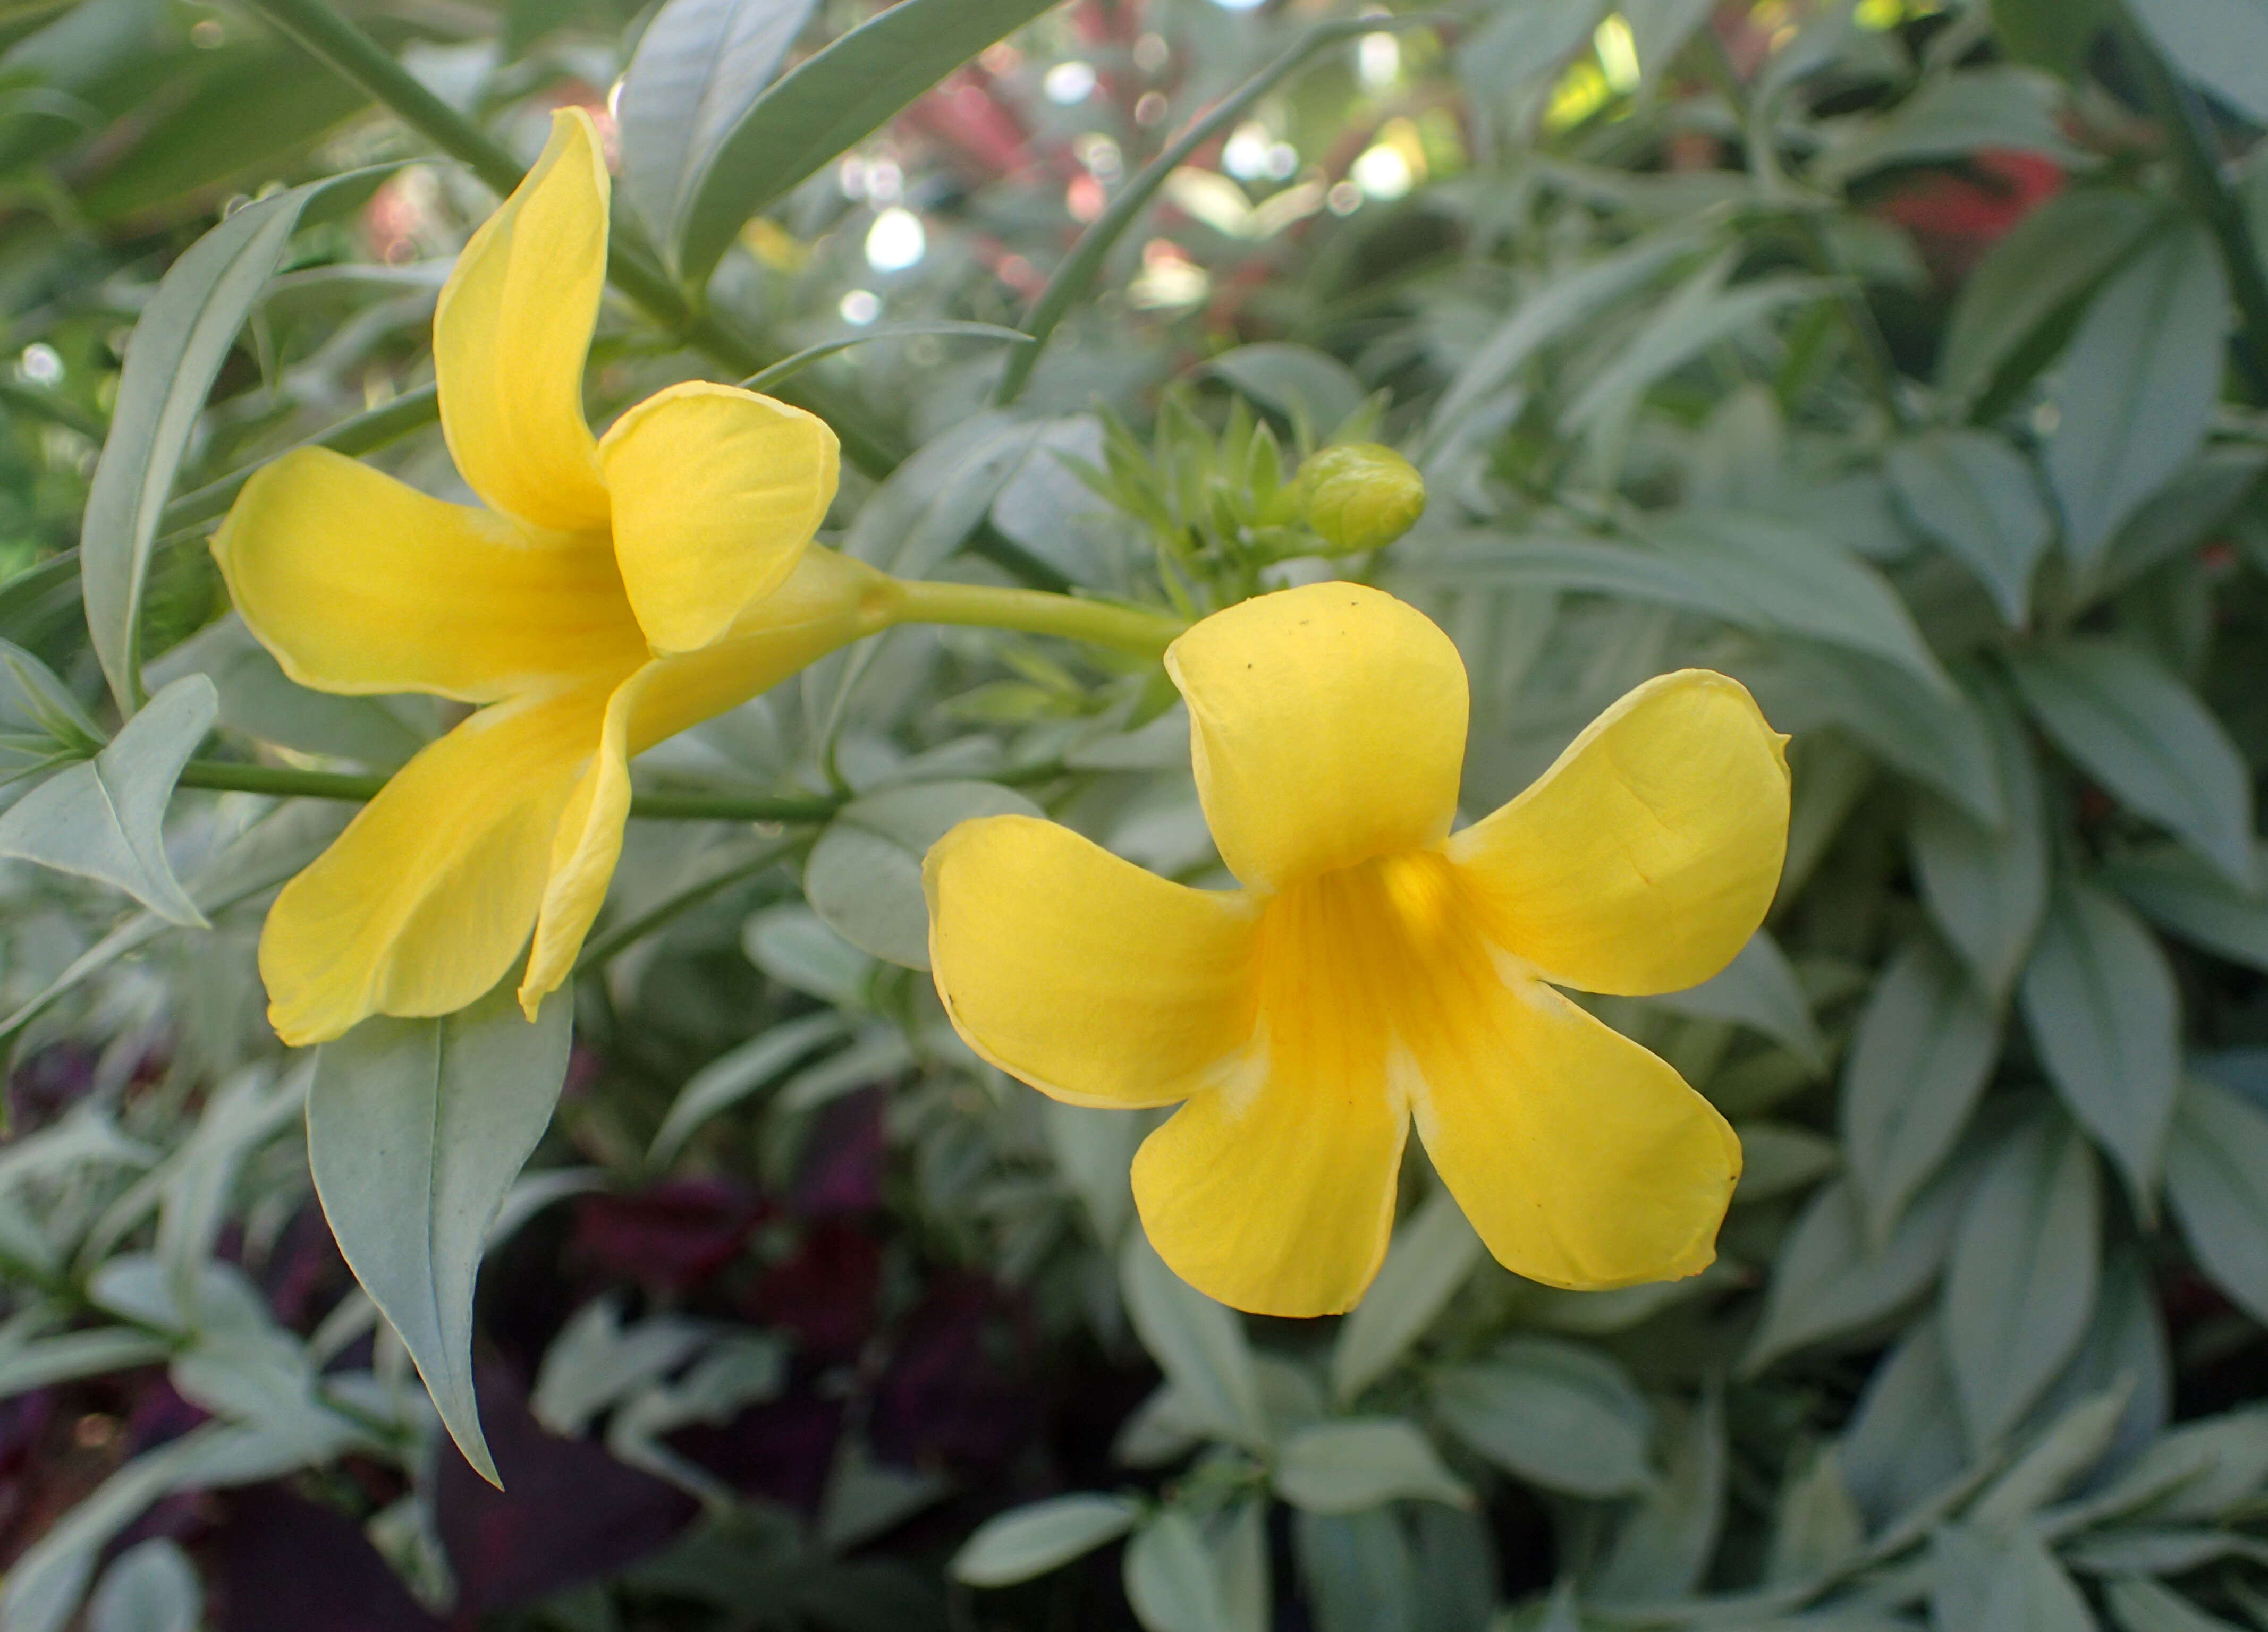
(615, 591)
(1377, 969)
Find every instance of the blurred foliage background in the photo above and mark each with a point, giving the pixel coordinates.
(1907, 360)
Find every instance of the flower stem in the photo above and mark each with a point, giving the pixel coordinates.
(1134, 630)
(288, 782)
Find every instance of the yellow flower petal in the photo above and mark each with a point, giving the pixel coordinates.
(1096, 982)
(512, 331)
(425, 900)
(1274, 1191)
(1327, 725)
(360, 585)
(1644, 859)
(715, 492)
(1581, 1159)
(826, 601)
(1275, 1195)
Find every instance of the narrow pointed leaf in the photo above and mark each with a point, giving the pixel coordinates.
(415, 1130)
(2150, 740)
(829, 101)
(1922, 1049)
(104, 818)
(2106, 1018)
(2137, 385)
(2022, 1283)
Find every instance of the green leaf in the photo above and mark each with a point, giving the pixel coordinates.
(1779, 1158)
(416, 1130)
(828, 102)
(2179, 893)
(1759, 991)
(153, 1587)
(793, 945)
(180, 342)
(1827, 1281)
(1299, 382)
(1805, 585)
(1546, 315)
(2140, 1604)
(265, 855)
(47, 1580)
(2027, 1590)
(1699, 314)
(34, 700)
(104, 818)
(2071, 1447)
(1348, 1466)
(2106, 1018)
(1031, 1541)
(1198, 1344)
(2053, 34)
(2217, 1181)
(2021, 1286)
(258, 699)
(738, 1072)
(1988, 887)
(1666, 1540)
(1939, 739)
(1903, 1441)
(864, 874)
(1171, 1580)
(2046, 263)
(2181, 516)
(2222, 44)
(1975, 496)
(69, 1356)
(1523, 42)
(1561, 1416)
(924, 509)
(1433, 1254)
(596, 1361)
(1919, 1058)
(2146, 738)
(698, 68)
(1815, 1524)
(1950, 116)
(2137, 385)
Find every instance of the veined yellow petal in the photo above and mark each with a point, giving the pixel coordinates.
(1583, 1160)
(421, 904)
(826, 601)
(1644, 859)
(1275, 1193)
(1326, 726)
(715, 491)
(359, 584)
(1096, 982)
(512, 331)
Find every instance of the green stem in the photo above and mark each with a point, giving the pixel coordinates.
(354, 55)
(2189, 136)
(1085, 259)
(286, 782)
(1134, 630)
(52, 407)
(365, 431)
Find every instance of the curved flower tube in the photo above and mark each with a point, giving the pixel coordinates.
(615, 590)
(1377, 969)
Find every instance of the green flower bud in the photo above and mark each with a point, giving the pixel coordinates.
(1359, 496)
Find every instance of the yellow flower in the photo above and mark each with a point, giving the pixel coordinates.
(616, 591)
(1377, 969)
